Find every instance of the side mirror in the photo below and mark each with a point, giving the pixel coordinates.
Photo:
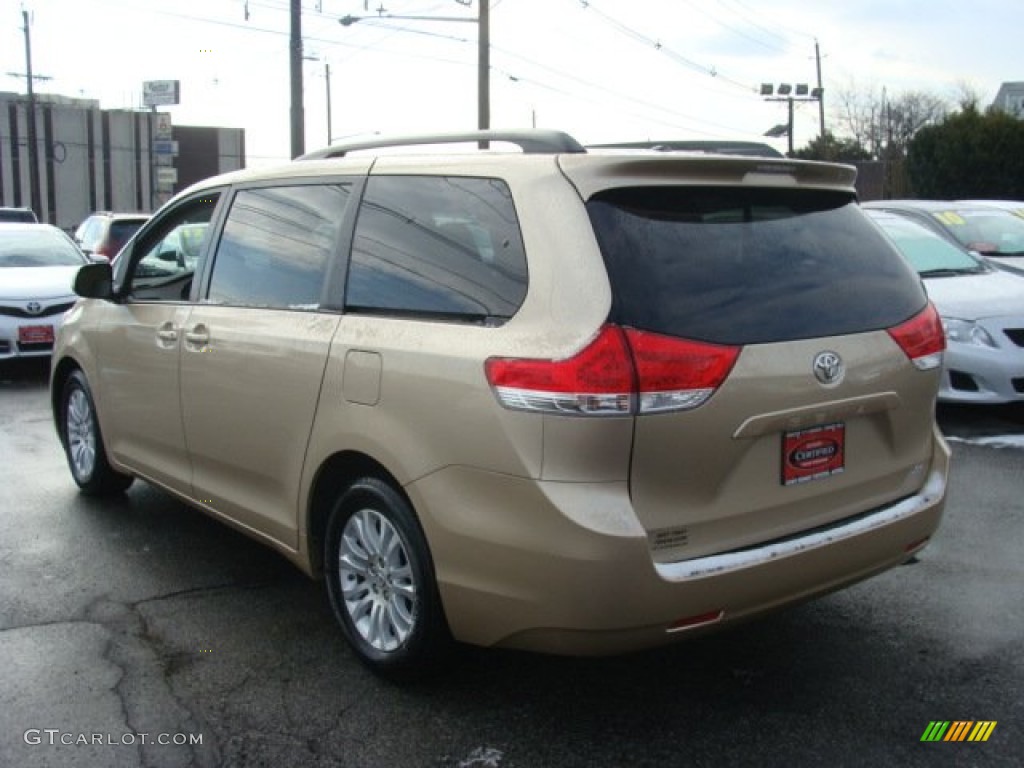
(94, 281)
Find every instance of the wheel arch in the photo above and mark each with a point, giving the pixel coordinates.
(58, 379)
(335, 474)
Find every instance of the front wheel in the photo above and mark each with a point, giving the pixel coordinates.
(380, 581)
(83, 443)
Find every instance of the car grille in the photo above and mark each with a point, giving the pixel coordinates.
(1016, 335)
(1018, 385)
(46, 346)
(53, 309)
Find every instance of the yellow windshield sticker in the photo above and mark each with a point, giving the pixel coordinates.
(950, 218)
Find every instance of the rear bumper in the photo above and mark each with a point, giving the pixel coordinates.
(566, 568)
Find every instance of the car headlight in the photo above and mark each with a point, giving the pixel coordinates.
(967, 332)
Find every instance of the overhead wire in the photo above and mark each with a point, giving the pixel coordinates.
(752, 11)
(660, 48)
(702, 9)
(670, 117)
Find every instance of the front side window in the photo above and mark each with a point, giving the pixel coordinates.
(165, 260)
(445, 247)
(277, 245)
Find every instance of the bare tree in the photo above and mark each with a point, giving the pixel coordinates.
(884, 125)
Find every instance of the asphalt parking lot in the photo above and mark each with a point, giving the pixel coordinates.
(140, 633)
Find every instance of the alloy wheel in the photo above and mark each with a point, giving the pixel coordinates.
(377, 580)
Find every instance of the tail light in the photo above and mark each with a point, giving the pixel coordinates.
(922, 339)
(621, 372)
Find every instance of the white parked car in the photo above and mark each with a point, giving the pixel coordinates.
(994, 233)
(982, 310)
(38, 263)
(1015, 207)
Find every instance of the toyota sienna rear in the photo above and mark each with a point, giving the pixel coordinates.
(568, 401)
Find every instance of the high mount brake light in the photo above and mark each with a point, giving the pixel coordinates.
(922, 339)
(621, 372)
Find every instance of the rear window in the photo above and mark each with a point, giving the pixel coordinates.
(20, 215)
(749, 266)
(121, 231)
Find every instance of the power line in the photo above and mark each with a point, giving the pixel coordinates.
(657, 45)
(735, 30)
(611, 91)
(750, 10)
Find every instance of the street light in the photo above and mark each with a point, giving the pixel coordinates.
(483, 52)
(785, 93)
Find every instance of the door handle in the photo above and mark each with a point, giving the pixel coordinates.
(198, 338)
(166, 335)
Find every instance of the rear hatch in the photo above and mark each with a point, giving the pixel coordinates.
(787, 359)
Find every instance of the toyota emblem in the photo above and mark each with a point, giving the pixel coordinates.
(828, 368)
(33, 307)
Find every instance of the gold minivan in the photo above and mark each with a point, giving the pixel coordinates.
(564, 400)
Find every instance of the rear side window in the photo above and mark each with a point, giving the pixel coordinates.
(446, 247)
(277, 245)
(748, 266)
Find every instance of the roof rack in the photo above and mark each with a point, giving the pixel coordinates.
(533, 141)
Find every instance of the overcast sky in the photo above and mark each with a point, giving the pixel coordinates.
(604, 70)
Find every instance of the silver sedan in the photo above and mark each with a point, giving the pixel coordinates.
(37, 265)
(982, 311)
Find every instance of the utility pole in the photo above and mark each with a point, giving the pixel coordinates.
(33, 149)
(483, 22)
(821, 90)
(298, 126)
(327, 74)
(484, 67)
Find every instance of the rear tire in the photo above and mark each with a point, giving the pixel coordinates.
(83, 442)
(381, 584)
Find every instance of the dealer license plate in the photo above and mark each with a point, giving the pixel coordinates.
(814, 453)
(35, 334)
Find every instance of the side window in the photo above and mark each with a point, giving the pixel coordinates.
(165, 260)
(277, 245)
(437, 246)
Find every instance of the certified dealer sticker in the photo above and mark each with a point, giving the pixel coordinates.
(811, 454)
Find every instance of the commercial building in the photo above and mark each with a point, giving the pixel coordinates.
(90, 159)
(1010, 99)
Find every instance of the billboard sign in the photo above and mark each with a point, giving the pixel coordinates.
(156, 93)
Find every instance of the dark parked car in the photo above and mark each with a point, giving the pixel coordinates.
(105, 233)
